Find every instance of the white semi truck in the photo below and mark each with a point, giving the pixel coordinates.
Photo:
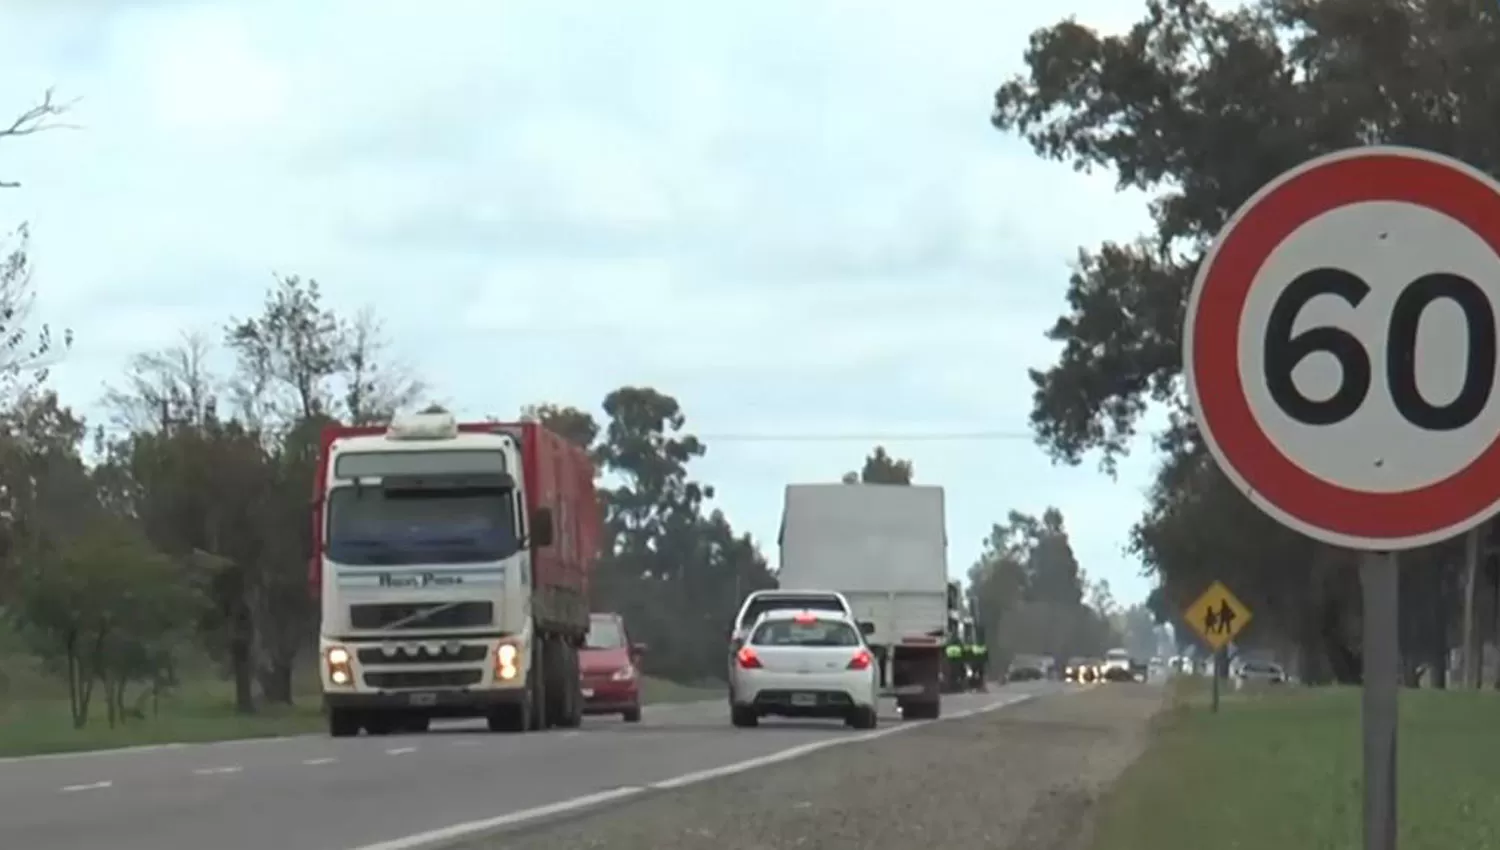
(885, 548)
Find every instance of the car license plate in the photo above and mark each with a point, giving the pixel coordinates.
(588, 693)
(804, 699)
(422, 699)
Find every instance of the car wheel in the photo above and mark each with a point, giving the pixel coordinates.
(631, 715)
(864, 718)
(743, 717)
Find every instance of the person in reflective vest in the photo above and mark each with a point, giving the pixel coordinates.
(957, 669)
(979, 655)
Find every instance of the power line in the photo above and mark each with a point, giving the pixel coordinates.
(920, 437)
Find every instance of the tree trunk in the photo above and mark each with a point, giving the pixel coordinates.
(276, 682)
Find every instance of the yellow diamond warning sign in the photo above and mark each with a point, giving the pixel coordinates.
(1217, 616)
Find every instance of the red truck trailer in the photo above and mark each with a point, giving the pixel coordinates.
(452, 564)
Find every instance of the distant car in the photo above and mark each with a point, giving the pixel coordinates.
(1081, 670)
(761, 601)
(1026, 668)
(1266, 672)
(804, 664)
(607, 666)
(1117, 666)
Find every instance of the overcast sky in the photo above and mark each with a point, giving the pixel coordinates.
(793, 216)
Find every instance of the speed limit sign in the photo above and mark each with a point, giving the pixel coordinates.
(1340, 348)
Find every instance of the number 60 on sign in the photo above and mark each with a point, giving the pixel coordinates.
(1340, 348)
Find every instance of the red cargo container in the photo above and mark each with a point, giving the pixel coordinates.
(555, 474)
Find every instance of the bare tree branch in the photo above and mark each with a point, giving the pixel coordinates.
(42, 116)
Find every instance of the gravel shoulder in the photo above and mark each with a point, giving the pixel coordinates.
(1025, 777)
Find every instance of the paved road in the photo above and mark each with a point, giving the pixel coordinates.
(317, 793)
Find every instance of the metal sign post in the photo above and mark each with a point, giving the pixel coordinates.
(1380, 578)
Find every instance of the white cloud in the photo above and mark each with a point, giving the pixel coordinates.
(794, 216)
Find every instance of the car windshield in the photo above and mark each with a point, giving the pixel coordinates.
(762, 604)
(379, 526)
(816, 633)
(605, 634)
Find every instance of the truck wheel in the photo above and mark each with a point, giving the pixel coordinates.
(342, 723)
(571, 715)
(416, 723)
(379, 725)
(536, 684)
(743, 717)
(921, 710)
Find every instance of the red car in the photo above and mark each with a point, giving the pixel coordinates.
(611, 682)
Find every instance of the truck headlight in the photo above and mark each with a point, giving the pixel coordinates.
(506, 656)
(337, 661)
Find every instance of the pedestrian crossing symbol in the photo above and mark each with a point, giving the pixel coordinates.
(1217, 616)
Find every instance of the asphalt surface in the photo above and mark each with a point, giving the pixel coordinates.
(318, 793)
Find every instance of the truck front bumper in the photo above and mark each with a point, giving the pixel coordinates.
(457, 703)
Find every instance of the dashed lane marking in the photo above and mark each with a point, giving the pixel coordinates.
(319, 761)
(91, 786)
(218, 771)
(400, 751)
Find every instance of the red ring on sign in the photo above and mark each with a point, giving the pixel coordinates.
(1216, 339)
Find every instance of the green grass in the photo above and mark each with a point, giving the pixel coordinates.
(34, 716)
(1283, 769)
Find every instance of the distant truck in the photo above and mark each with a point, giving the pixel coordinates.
(884, 547)
(452, 563)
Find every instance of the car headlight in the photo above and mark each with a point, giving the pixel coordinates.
(624, 674)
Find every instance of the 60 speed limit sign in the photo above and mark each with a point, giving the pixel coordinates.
(1340, 348)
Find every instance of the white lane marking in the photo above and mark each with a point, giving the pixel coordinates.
(218, 771)
(68, 789)
(575, 733)
(447, 834)
(463, 830)
(145, 748)
(400, 751)
(320, 761)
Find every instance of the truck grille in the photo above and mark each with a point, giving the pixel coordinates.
(464, 615)
(424, 679)
(420, 654)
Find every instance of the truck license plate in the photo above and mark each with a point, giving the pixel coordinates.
(588, 693)
(804, 699)
(422, 699)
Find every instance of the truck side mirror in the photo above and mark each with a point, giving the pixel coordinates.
(541, 527)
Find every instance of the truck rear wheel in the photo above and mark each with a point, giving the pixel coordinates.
(926, 710)
(570, 689)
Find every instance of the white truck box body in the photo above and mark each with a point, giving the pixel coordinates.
(884, 546)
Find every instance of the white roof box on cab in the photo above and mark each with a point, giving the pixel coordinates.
(423, 426)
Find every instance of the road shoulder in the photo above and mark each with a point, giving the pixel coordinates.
(1023, 777)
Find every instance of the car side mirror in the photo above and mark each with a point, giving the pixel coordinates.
(541, 527)
(638, 649)
(866, 628)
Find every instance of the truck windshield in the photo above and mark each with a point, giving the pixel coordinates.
(372, 526)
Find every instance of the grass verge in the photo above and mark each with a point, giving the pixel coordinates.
(1283, 769)
(203, 712)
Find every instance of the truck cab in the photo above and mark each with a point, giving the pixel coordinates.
(451, 566)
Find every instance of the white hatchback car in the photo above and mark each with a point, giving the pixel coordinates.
(804, 664)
